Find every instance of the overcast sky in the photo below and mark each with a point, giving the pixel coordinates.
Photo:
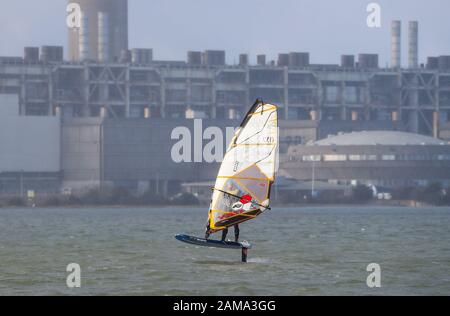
(325, 28)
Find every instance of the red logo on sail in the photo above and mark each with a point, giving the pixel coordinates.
(244, 205)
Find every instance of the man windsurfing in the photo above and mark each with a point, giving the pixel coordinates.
(244, 204)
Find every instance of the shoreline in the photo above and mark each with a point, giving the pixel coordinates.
(286, 206)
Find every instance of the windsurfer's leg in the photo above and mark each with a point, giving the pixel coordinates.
(236, 233)
(224, 234)
(207, 231)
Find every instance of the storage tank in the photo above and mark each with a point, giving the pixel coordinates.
(117, 12)
(194, 58)
(283, 60)
(433, 63)
(125, 56)
(141, 56)
(368, 60)
(52, 54)
(214, 58)
(444, 62)
(31, 54)
(298, 59)
(348, 61)
(243, 60)
(261, 60)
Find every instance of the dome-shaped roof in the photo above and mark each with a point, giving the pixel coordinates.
(386, 138)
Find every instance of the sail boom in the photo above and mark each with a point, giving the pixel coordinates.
(240, 197)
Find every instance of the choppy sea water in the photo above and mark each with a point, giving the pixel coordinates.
(306, 251)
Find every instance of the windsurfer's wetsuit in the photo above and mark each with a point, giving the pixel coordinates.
(236, 233)
(224, 233)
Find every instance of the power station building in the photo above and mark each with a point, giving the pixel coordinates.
(117, 105)
(381, 158)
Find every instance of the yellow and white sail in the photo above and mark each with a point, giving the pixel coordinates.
(242, 189)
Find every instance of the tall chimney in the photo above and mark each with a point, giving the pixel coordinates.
(413, 44)
(103, 37)
(396, 44)
(117, 16)
(83, 42)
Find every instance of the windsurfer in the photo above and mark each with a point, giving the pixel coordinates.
(244, 204)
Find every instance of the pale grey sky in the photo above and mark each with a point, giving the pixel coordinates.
(325, 28)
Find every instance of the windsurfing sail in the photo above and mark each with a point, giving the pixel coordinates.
(247, 173)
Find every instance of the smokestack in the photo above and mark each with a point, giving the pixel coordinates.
(396, 44)
(103, 37)
(83, 38)
(413, 44)
(117, 16)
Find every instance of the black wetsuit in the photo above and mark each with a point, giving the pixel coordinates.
(236, 233)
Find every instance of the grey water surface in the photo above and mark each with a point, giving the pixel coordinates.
(296, 251)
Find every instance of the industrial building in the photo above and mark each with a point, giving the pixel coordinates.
(381, 158)
(117, 106)
(29, 150)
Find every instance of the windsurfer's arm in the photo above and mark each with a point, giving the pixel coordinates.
(263, 207)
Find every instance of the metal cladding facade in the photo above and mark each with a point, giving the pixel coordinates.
(29, 150)
(84, 42)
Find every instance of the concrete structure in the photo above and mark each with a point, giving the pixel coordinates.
(413, 37)
(29, 150)
(396, 44)
(391, 159)
(104, 30)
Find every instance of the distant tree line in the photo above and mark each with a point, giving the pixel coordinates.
(106, 197)
(433, 194)
(360, 194)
